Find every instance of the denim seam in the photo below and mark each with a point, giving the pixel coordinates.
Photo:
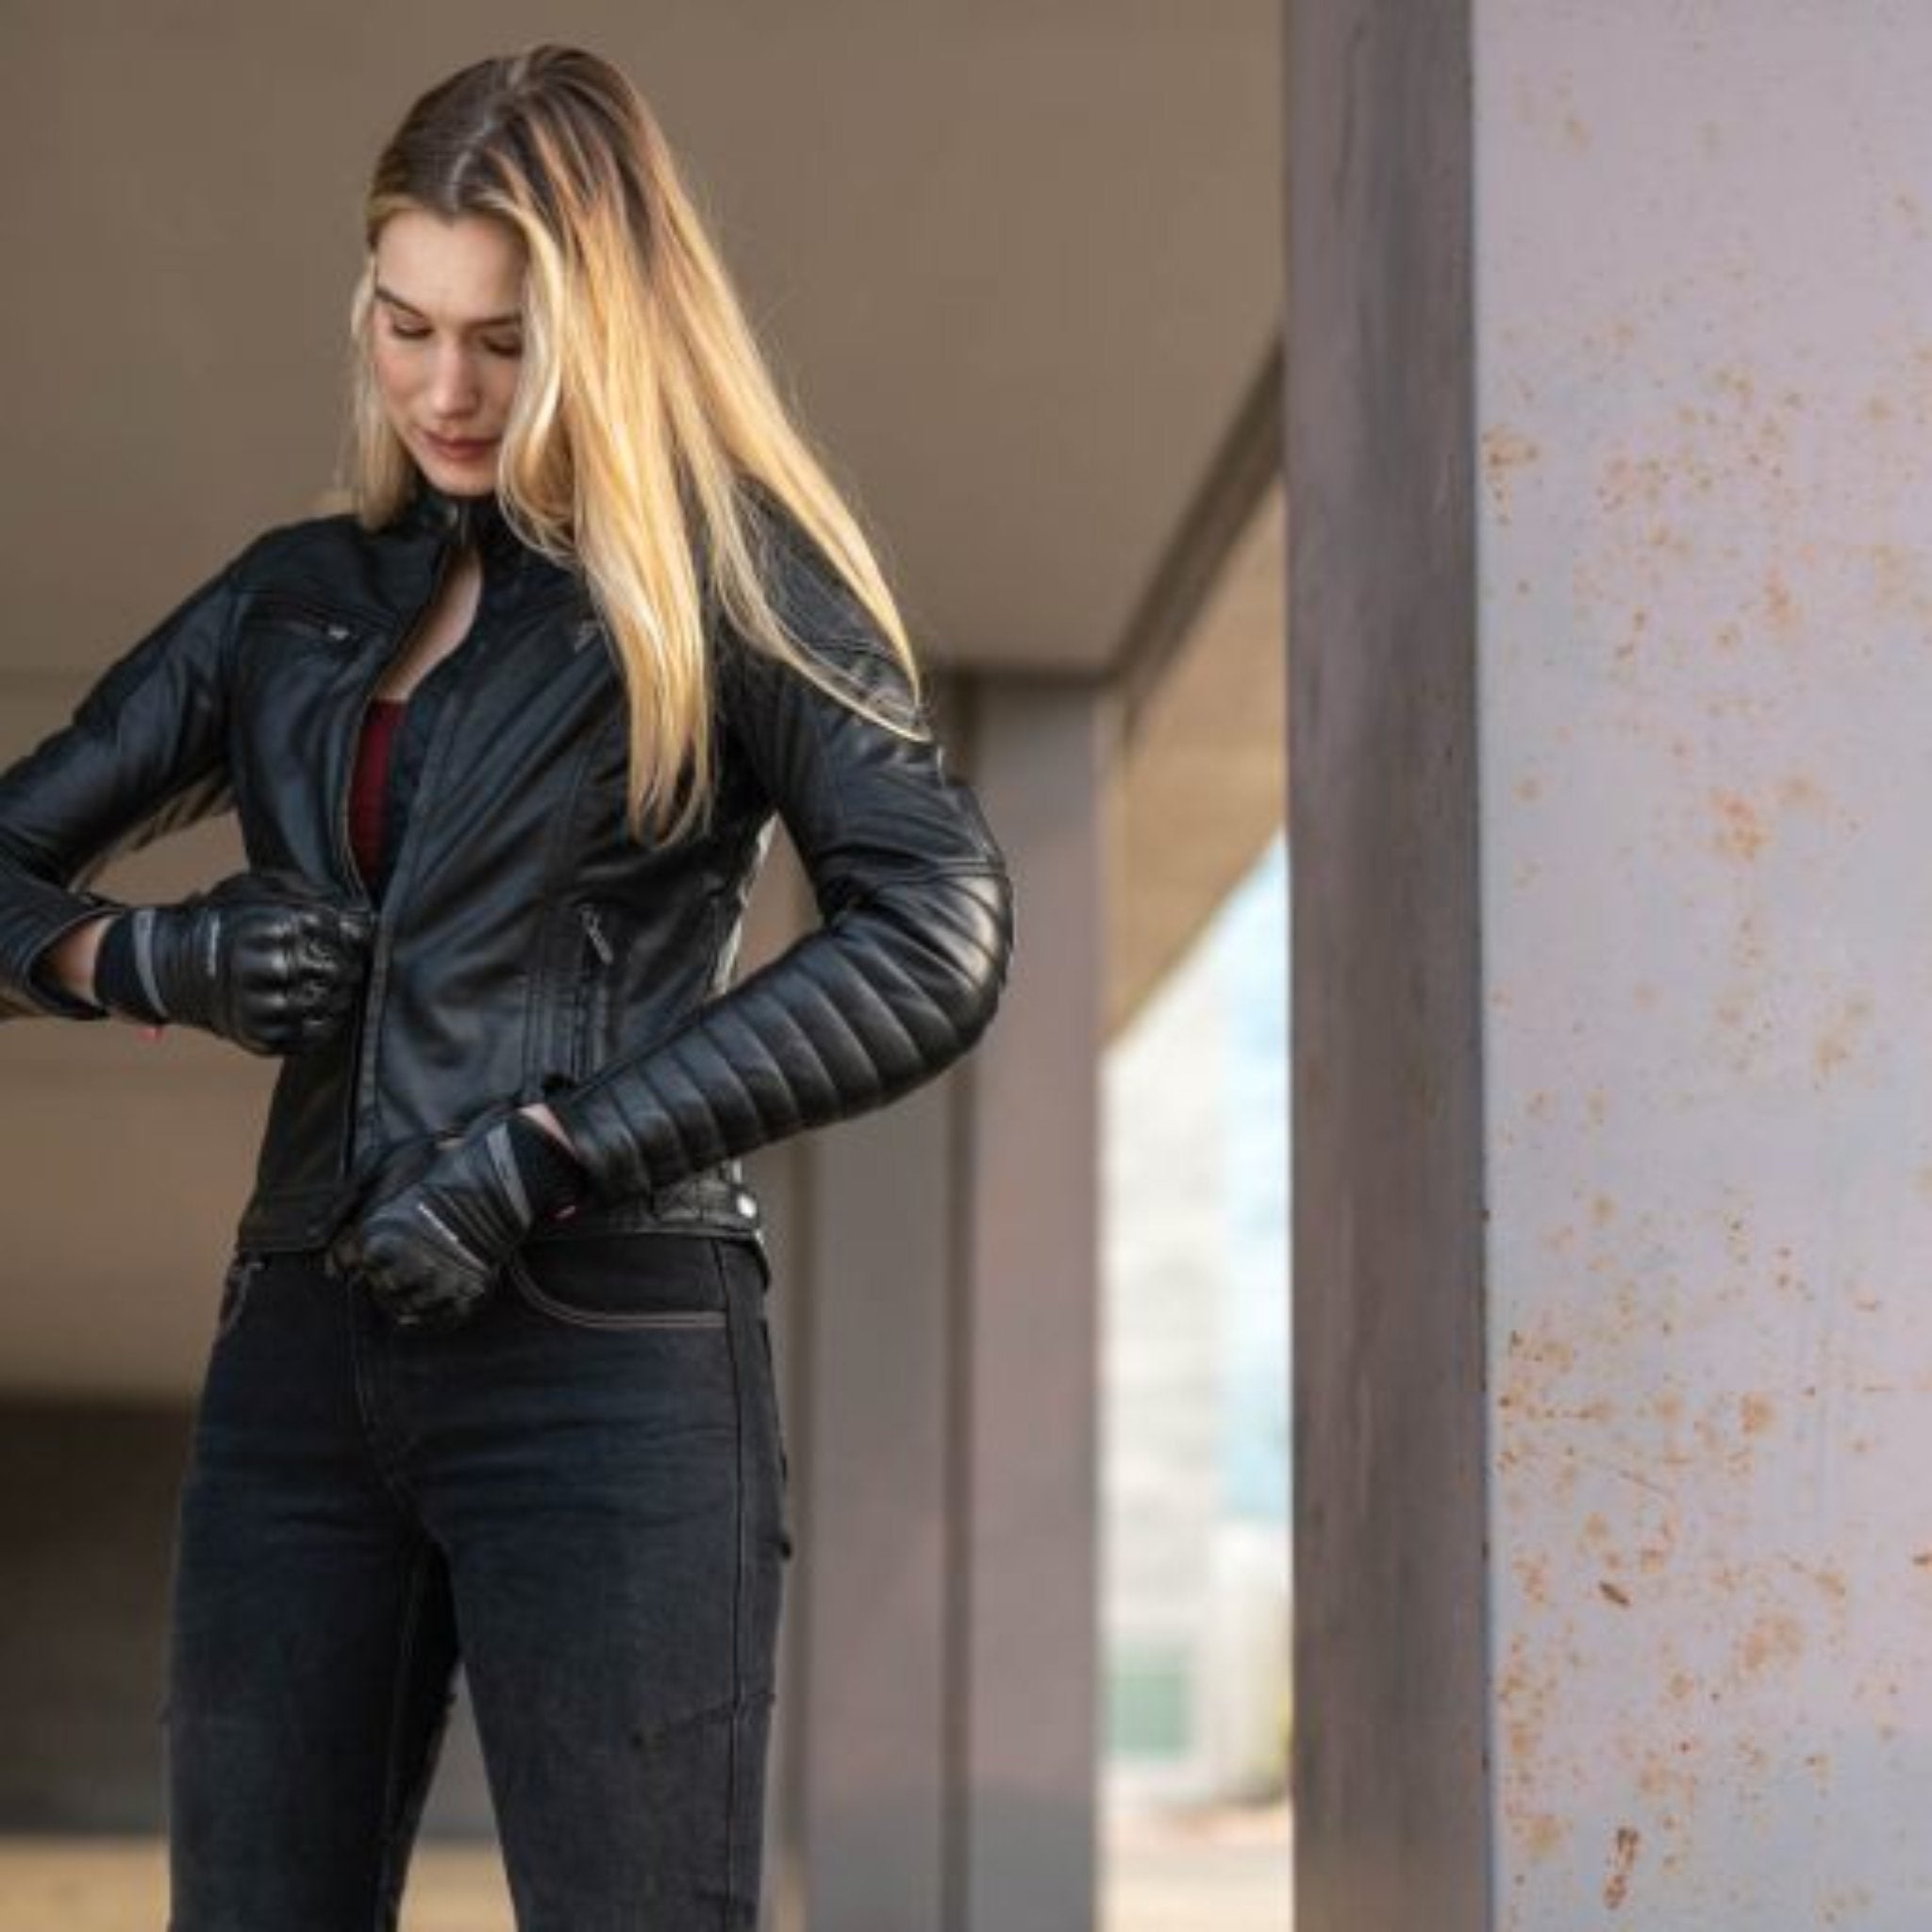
(398, 1492)
(413, 1610)
(729, 1890)
(729, 1707)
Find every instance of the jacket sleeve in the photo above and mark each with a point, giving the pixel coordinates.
(143, 754)
(904, 972)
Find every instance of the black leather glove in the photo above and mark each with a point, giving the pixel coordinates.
(430, 1228)
(264, 958)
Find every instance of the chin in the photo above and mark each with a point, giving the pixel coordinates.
(458, 479)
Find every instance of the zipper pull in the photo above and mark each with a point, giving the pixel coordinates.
(595, 927)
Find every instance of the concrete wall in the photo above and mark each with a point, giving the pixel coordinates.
(87, 1498)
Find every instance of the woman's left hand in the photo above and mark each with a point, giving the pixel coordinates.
(430, 1232)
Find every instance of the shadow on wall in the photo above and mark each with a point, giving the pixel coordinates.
(87, 1518)
(87, 1500)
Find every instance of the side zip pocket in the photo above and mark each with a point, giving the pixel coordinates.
(592, 1016)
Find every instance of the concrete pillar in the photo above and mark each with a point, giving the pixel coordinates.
(1390, 1676)
(1028, 1490)
(934, 1311)
(1608, 468)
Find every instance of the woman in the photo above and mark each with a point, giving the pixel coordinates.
(491, 1374)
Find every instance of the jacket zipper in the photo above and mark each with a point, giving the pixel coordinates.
(345, 850)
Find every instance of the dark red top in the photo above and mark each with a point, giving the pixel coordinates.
(369, 793)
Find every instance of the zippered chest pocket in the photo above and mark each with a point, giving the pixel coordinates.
(298, 620)
(596, 935)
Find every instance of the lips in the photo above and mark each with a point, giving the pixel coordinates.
(458, 452)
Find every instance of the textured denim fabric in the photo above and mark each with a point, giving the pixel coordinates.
(581, 1494)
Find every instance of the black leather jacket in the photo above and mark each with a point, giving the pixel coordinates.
(525, 945)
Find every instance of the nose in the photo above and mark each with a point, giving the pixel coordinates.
(452, 386)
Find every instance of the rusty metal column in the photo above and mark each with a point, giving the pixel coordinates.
(1611, 608)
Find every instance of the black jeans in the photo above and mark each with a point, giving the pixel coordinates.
(581, 1492)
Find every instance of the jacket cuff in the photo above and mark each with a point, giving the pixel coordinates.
(37, 991)
(621, 1151)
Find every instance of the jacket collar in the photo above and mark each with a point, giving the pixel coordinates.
(478, 520)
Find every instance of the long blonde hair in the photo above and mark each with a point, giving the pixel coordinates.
(645, 419)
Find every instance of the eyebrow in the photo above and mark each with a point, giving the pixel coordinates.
(397, 301)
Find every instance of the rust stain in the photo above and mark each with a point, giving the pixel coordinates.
(1899, 583)
(1835, 1046)
(1533, 1580)
(1505, 453)
(1639, 623)
(1736, 384)
(1543, 1834)
(1741, 832)
(1776, 1638)
(1629, 1840)
(1754, 1414)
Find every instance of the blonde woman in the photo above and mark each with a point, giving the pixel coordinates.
(490, 1377)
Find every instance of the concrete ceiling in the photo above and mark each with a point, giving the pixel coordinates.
(1017, 264)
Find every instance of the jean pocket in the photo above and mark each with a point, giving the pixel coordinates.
(621, 1281)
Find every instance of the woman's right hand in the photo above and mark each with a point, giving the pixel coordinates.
(264, 958)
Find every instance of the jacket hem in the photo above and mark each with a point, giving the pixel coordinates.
(286, 1220)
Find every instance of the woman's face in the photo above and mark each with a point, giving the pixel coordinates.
(447, 341)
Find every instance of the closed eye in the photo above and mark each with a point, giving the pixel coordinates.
(423, 335)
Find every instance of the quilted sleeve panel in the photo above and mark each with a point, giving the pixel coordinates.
(908, 965)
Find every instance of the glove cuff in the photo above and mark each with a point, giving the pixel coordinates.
(553, 1178)
(124, 968)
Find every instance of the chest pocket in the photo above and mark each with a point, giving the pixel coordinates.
(282, 618)
(293, 653)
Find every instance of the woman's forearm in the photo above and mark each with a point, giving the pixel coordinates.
(69, 962)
